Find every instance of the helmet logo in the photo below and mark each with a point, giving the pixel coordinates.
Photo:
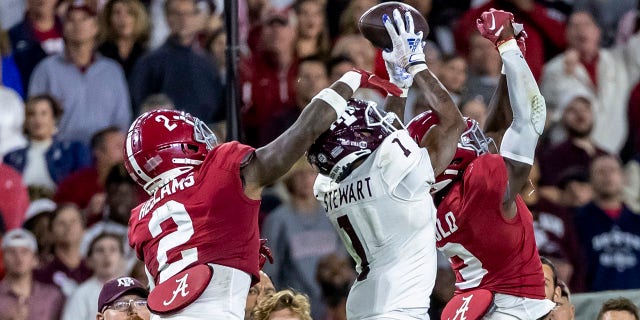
(322, 158)
(153, 163)
(336, 151)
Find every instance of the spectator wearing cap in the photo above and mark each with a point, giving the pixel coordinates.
(269, 75)
(178, 70)
(105, 258)
(92, 89)
(37, 222)
(46, 160)
(577, 149)
(22, 297)
(37, 36)
(123, 298)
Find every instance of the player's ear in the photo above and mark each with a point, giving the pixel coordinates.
(557, 293)
(99, 316)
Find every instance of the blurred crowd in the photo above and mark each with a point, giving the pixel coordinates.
(74, 74)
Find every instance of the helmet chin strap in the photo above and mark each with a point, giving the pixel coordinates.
(165, 177)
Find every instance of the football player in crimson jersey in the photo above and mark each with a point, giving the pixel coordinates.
(483, 225)
(375, 182)
(198, 233)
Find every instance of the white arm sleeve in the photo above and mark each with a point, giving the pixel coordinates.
(528, 106)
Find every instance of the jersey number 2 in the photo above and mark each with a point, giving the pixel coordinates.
(178, 213)
(345, 224)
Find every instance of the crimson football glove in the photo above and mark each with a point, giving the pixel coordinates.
(264, 253)
(370, 80)
(491, 25)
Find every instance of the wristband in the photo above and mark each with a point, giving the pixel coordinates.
(414, 69)
(508, 45)
(352, 79)
(332, 98)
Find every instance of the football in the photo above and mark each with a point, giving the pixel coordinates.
(372, 28)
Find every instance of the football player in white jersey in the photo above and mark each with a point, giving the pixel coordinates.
(375, 182)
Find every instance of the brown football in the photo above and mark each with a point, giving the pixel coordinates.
(372, 28)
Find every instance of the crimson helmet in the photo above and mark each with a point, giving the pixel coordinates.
(356, 134)
(164, 144)
(472, 144)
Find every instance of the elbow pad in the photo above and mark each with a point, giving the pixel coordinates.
(527, 104)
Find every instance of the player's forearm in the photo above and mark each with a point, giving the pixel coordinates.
(396, 105)
(277, 157)
(527, 104)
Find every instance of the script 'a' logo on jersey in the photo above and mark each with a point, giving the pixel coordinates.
(463, 309)
(181, 289)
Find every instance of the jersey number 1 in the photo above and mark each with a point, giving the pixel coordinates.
(345, 224)
(178, 213)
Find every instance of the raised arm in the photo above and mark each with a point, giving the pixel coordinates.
(527, 104)
(273, 160)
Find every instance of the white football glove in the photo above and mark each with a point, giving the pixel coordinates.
(408, 47)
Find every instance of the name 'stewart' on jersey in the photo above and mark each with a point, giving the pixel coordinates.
(170, 188)
(445, 229)
(348, 193)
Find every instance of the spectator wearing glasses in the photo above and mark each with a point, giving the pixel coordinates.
(123, 298)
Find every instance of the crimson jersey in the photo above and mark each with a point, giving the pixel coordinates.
(487, 251)
(200, 217)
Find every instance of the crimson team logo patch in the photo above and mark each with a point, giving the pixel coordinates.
(180, 290)
(470, 305)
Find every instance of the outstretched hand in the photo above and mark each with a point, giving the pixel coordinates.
(408, 47)
(499, 26)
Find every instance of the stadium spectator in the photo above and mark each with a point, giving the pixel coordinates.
(607, 15)
(46, 160)
(606, 74)
(339, 65)
(618, 309)
(545, 32)
(551, 288)
(312, 77)
(351, 15)
(633, 121)
(92, 88)
(269, 76)
(258, 293)
(363, 54)
(335, 274)
(299, 235)
(565, 310)
(123, 298)
(37, 222)
(484, 69)
(124, 32)
(632, 185)
(577, 150)
(85, 188)
(475, 109)
(608, 231)
(554, 226)
(105, 258)
(66, 268)
(156, 102)
(14, 197)
(216, 46)
(312, 35)
(283, 305)
(11, 13)
(37, 36)
(453, 75)
(178, 70)
(21, 296)
(11, 122)
(121, 197)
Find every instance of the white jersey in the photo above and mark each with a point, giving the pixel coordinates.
(385, 216)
